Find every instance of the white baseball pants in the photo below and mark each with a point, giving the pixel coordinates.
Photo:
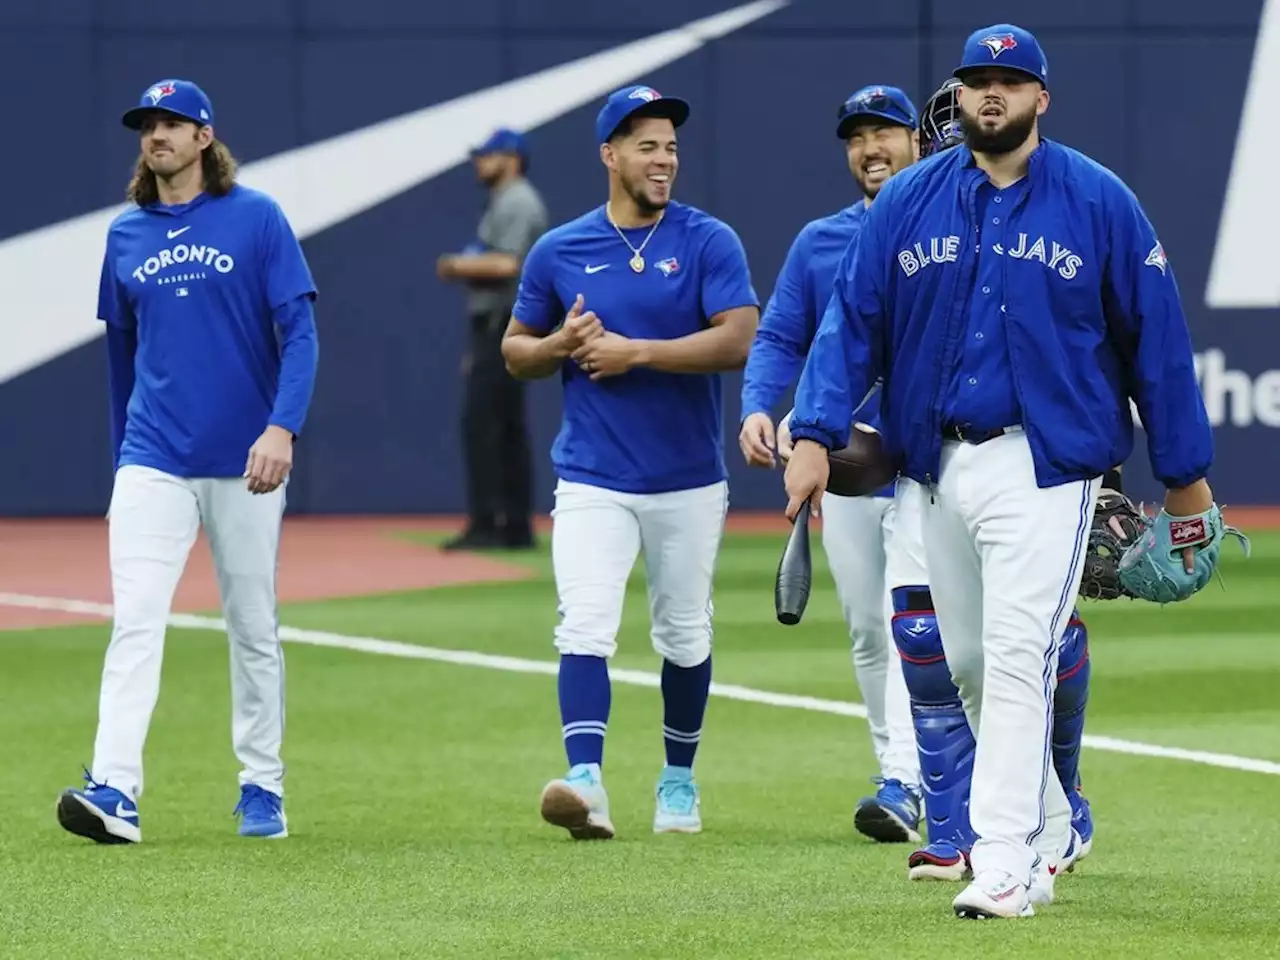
(597, 535)
(1005, 559)
(153, 522)
(858, 536)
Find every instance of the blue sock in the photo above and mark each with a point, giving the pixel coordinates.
(584, 707)
(684, 702)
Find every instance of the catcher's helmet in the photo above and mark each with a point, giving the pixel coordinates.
(940, 120)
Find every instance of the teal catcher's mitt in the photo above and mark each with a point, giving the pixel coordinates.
(1152, 568)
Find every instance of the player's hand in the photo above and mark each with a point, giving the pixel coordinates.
(445, 266)
(270, 459)
(806, 477)
(1188, 501)
(579, 327)
(608, 355)
(785, 447)
(756, 440)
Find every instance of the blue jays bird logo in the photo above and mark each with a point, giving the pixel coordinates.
(668, 266)
(160, 91)
(998, 43)
(644, 93)
(1156, 258)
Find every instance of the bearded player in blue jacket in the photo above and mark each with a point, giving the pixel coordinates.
(943, 735)
(1012, 296)
(878, 126)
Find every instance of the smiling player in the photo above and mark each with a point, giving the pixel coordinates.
(878, 126)
(638, 304)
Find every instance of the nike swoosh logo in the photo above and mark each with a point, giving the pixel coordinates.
(124, 813)
(174, 233)
(49, 276)
(591, 269)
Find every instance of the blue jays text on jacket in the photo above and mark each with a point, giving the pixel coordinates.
(791, 316)
(1090, 307)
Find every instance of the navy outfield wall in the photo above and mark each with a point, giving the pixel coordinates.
(1155, 89)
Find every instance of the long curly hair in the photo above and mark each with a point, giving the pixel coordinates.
(216, 161)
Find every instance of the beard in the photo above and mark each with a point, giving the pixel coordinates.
(637, 190)
(1010, 137)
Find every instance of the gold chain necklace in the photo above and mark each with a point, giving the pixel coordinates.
(637, 261)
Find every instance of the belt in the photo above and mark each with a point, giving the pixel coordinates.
(967, 434)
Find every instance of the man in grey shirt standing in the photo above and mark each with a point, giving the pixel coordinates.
(495, 437)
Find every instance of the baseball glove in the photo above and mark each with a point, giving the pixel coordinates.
(1151, 569)
(1117, 524)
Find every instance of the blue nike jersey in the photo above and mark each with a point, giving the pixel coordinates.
(794, 311)
(207, 294)
(645, 431)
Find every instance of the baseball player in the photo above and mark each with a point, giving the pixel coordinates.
(945, 739)
(878, 125)
(212, 348)
(639, 304)
(1012, 296)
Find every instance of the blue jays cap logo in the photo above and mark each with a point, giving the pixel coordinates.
(865, 95)
(160, 91)
(648, 94)
(998, 43)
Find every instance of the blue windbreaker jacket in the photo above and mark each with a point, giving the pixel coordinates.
(1092, 314)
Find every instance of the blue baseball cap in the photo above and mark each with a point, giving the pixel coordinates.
(623, 103)
(1004, 45)
(504, 140)
(878, 101)
(181, 97)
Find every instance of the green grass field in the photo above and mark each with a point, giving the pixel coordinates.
(413, 787)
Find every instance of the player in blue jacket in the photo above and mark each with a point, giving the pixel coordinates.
(1013, 296)
(212, 350)
(638, 305)
(943, 735)
(877, 124)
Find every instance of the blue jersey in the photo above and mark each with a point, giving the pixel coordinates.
(645, 431)
(795, 308)
(1088, 303)
(210, 330)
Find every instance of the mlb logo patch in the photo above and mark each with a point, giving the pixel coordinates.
(668, 266)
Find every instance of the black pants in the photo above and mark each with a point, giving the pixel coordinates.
(495, 437)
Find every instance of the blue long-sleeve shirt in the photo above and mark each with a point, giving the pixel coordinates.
(1090, 309)
(794, 310)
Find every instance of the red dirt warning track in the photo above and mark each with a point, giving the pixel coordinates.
(320, 557)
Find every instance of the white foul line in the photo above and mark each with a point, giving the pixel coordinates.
(637, 678)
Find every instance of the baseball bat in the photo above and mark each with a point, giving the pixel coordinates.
(795, 572)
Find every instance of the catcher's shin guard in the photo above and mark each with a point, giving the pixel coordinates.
(944, 741)
(1069, 703)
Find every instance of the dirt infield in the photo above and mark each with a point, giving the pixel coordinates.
(320, 557)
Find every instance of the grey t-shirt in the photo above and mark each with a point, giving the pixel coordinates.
(513, 220)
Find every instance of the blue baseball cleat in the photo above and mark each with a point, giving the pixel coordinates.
(99, 812)
(892, 815)
(262, 812)
(678, 802)
(1082, 821)
(578, 803)
(939, 860)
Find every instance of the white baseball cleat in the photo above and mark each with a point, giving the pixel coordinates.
(1045, 875)
(579, 804)
(993, 895)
